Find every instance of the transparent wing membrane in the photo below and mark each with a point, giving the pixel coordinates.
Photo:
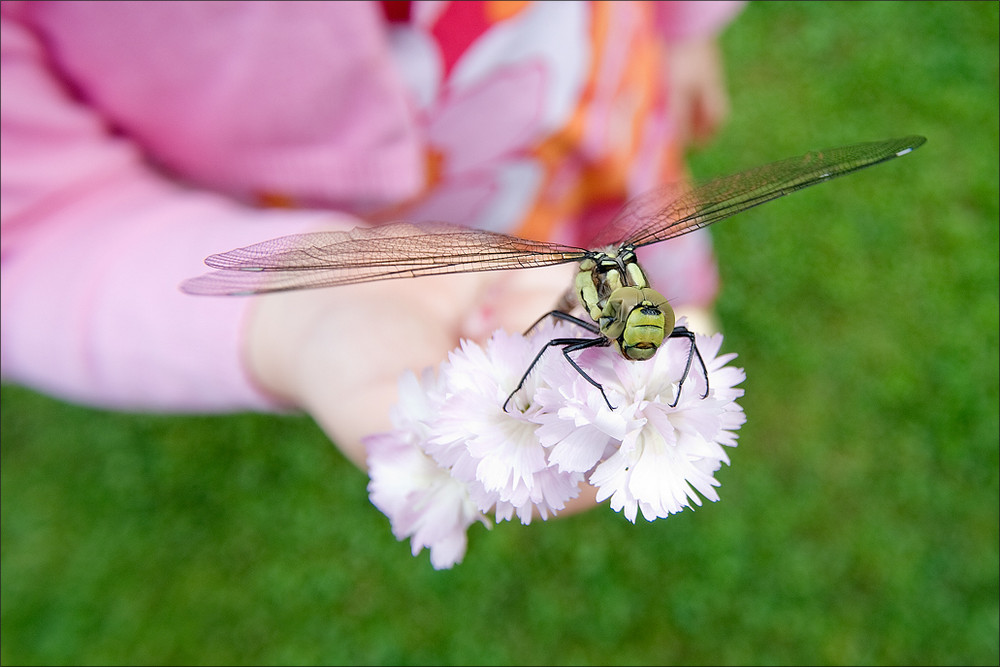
(658, 215)
(408, 250)
(397, 250)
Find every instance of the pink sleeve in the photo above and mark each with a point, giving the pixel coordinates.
(684, 20)
(94, 245)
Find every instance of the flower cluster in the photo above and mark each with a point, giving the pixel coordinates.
(455, 455)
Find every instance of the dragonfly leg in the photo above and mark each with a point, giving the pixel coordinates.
(568, 345)
(684, 332)
(581, 346)
(566, 317)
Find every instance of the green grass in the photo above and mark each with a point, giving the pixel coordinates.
(858, 522)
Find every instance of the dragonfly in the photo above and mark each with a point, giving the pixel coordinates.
(624, 310)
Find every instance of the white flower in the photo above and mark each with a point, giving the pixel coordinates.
(456, 454)
(496, 451)
(422, 500)
(668, 455)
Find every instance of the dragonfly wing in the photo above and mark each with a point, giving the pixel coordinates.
(397, 250)
(637, 214)
(661, 214)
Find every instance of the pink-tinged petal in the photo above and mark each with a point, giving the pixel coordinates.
(579, 450)
(423, 502)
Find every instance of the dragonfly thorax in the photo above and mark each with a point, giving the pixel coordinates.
(601, 273)
(615, 292)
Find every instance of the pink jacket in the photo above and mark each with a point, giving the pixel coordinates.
(138, 138)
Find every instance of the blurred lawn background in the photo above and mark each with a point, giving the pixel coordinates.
(858, 523)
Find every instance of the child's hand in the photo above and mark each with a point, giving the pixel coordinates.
(338, 353)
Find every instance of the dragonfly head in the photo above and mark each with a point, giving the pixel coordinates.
(637, 319)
